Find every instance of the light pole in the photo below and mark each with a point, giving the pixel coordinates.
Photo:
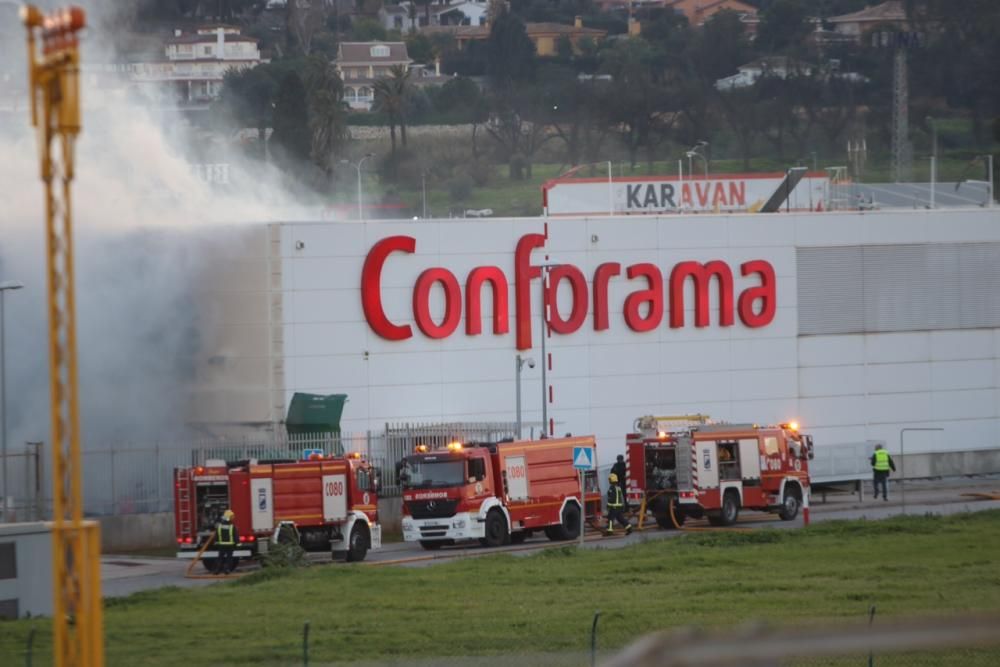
(694, 151)
(933, 159)
(519, 363)
(902, 462)
(4, 287)
(361, 206)
(423, 188)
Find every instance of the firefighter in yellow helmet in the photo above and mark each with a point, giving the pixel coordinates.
(226, 538)
(616, 506)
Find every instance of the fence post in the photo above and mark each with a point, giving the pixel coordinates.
(593, 639)
(159, 474)
(305, 644)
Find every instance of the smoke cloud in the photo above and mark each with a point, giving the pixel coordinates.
(146, 229)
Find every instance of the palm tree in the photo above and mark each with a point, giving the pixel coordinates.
(327, 112)
(390, 99)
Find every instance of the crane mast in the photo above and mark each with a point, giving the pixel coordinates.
(53, 75)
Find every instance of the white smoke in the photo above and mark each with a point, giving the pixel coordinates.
(145, 229)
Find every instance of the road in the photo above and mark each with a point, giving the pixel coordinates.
(124, 575)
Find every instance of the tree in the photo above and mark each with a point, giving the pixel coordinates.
(510, 54)
(327, 112)
(390, 99)
(783, 26)
(291, 119)
(247, 97)
(303, 19)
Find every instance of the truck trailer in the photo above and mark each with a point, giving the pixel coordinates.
(680, 467)
(322, 504)
(496, 493)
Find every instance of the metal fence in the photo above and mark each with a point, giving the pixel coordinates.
(138, 478)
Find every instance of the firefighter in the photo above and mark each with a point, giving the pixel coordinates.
(616, 506)
(882, 463)
(619, 469)
(226, 537)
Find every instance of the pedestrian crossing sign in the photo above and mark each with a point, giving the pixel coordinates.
(583, 458)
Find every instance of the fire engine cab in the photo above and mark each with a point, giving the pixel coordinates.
(497, 493)
(680, 467)
(323, 504)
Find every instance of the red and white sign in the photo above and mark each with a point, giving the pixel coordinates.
(671, 194)
(334, 497)
(644, 309)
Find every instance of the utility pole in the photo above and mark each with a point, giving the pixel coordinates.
(54, 84)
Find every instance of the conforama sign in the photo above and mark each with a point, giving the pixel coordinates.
(644, 309)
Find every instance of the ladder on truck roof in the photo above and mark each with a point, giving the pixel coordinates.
(711, 428)
(671, 423)
(184, 499)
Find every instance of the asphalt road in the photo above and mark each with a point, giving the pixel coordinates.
(124, 575)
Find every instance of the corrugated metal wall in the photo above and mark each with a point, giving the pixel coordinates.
(895, 288)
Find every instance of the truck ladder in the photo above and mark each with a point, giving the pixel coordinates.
(184, 499)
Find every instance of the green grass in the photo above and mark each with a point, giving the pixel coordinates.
(544, 603)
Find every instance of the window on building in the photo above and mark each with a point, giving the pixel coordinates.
(397, 22)
(380, 51)
(206, 50)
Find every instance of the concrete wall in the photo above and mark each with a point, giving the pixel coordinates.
(29, 591)
(129, 532)
(390, 514)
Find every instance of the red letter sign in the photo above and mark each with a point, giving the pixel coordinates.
(601, 277)
(653, 295)
(452, 302)
(579, 311)
(371, 286)
(702, 274)
(523, 273)
(766, 294)
(473, 305)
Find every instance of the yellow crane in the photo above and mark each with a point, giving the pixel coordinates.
(54, 82)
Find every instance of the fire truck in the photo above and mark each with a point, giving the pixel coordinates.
(498, 493)
(323, 504)
(680, 467)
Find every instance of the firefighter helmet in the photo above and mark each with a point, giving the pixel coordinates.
(613, 478)
(228, 515)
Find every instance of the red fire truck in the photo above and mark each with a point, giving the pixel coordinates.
(324, 504)
(679, 467)
(497, 493)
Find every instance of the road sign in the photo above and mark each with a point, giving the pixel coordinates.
(306, 453)
(583, 458)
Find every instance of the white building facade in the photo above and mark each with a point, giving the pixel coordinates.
(855, 324)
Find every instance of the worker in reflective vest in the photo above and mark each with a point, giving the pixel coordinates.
(226, 537)
(616, 506)
(882, 463)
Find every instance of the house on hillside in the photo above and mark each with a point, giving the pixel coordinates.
(409, 16)
(195, 65)
(777, 66)
(699, 11)
(545, 36)
(361, 64)
(858, 24)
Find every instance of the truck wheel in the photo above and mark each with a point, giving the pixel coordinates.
(730, 509)
(209, 564)
(570, 521)
(518, 537)
(790, 505)
(554, 533)
(496, 530)
(663, 520)
(357, 545)
(431, 545)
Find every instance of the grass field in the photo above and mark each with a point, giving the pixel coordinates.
(545, 602)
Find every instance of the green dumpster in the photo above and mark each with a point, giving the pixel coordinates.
(314, 413)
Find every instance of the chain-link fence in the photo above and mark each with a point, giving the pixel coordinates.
(138, 478)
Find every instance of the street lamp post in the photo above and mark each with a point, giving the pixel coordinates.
(423, 188)
(361, 206)
(519, 363)
(933, 159)
(4, 287)
(694, 151)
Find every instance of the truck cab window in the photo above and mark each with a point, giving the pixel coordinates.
(364, 479)
(477, 470)
(771, 446)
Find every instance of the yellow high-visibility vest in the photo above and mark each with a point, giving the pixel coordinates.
(881, 461)
(224, 536)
